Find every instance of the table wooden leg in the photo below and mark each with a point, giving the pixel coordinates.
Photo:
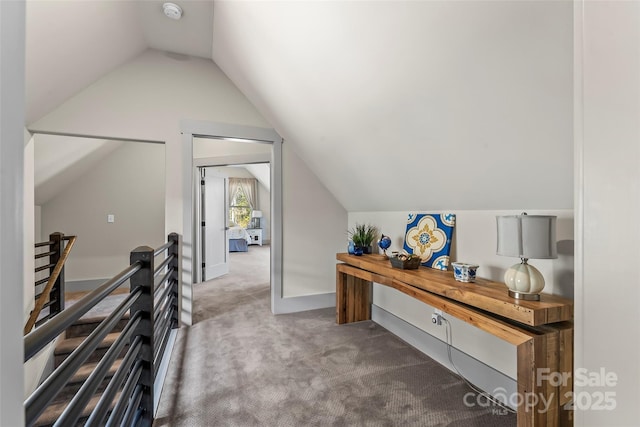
(353, 298)
(565, 363)
(545, 378)
(341, 298)
(535, 398)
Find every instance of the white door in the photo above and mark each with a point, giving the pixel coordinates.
(215, 246)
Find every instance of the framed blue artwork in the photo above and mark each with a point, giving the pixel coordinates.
(429, 235)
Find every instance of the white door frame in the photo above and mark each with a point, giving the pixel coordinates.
(191, 128)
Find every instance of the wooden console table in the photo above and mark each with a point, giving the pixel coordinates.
(542, 331)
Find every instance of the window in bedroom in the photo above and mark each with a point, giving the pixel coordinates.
(240, 209)
(243, 197)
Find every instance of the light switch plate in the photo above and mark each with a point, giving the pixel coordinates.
(111, 218)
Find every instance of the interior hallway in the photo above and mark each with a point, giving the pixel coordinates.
(241, 366)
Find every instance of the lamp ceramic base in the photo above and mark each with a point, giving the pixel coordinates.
(522, 295)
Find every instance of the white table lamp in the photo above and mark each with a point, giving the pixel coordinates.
(255, 219)
(526, 237)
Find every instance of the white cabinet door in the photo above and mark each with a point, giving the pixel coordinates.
(256, 236)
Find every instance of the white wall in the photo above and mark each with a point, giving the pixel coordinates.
(134, 102)
(210, 147)
(38, 223)
(35, 366)
(128, 183)
(61, 160)
(607, 207)
(474, 241)
(315, 226)
(12, 142)
(29, 228)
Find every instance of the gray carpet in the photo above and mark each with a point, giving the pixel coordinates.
(102, 309)
(241, 366)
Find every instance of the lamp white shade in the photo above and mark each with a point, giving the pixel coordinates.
(527, 236)
(256, 214)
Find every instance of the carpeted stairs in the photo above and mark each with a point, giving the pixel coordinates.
(74, 336)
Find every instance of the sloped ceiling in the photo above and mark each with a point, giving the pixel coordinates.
(191, 35)
(413, 105)
(262, 173)
(71, 44)
(61, 160)
(394, 105)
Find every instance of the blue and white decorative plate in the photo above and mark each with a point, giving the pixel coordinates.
(429, 235)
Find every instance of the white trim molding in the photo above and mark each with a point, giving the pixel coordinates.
(578, 191)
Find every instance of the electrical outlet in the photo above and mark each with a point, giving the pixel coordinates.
(436, 317)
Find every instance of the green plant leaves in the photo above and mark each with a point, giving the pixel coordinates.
(363, 234)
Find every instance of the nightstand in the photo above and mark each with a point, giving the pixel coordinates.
(256, 236)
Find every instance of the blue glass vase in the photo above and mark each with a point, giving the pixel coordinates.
(352, 247)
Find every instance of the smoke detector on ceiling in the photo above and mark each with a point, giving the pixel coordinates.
(172, 10)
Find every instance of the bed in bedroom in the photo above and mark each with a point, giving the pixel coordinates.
(239, 239)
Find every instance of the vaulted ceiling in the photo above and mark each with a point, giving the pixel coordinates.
(394, 105)
(71, 44)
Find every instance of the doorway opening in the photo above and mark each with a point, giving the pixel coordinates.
(233, 214)
(225, 145)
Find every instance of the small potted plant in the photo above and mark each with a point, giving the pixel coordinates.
(363, 236)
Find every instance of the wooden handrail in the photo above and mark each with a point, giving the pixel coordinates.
(47, 289)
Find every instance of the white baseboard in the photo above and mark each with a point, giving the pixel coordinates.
(477, 373)
(303, 303)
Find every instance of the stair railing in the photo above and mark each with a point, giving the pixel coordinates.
(153, 306)
(52, 295)
(48, 260)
